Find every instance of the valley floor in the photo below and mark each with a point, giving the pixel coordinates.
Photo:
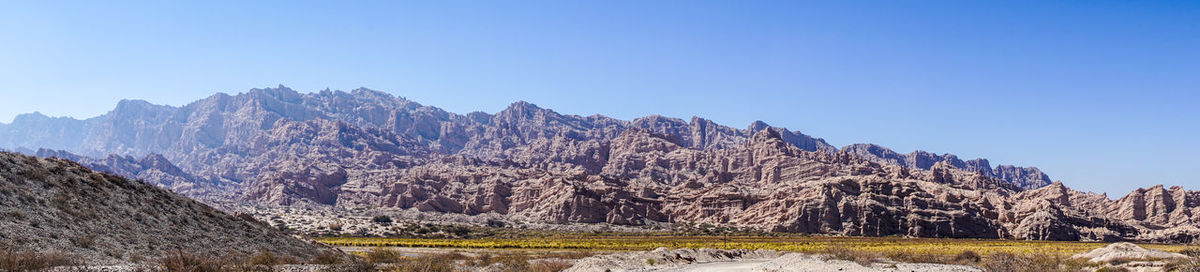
(630, 252)
(810, 244)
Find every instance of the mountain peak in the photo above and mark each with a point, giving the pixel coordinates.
(282, 93)
(364, 91)
(522, 104)
(521, 108)
(757, 125)
(30, 117)
(766, 134)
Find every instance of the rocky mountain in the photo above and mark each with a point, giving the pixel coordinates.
(366, 149)
(1024, 177)
(56, 204)
(152, 168)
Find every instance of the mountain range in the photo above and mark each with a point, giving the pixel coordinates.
(365, 149)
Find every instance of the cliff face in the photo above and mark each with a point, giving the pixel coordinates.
(367, 149)
(55, 204)
(1024, 177)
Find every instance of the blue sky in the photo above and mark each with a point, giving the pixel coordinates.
(1099, 94)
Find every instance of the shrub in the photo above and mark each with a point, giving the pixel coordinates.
(84, 241)
(1114, 269)
(181, 261)
(513, 262)
(1007, 262)
(429, 263)
(460, 231)
(1193, 252)
(495, 223)
(483, 259)
(353, 266)
(571, 255)
(327, 257)
(549, 266)
(842, 253)
(382, 220)
(264, 258)
(967, 257)
(1184, 265)
(383, 255)
(15, 260)
(917, 257)
(1004, 262)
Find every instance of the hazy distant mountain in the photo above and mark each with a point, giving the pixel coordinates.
(369, 149)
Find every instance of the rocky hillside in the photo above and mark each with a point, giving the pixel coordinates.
(365, 149)
(55, 204)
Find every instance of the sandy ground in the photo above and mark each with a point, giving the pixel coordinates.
(743, 265)
(704, 260)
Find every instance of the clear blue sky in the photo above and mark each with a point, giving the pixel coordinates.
(1100, 94)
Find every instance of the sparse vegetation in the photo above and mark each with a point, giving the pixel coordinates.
(940, 250)
(917, 256)
(863, 258)
(264, 258)
(1005, 262)
(1185, 265)
(967, 257)
(355, 265)
(84, 241)
(1114, 269)
(327, 257)
(429, 263)
(382, 255)
(382, 220)
(183, 261)
(20, 260)
(549, 266)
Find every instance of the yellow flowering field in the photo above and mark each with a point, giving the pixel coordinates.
(786, 243)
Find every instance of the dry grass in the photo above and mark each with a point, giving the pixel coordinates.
(382, 255)
(328, 257)
(967, 257)
(264, 258)
(1006, 262)
(549, 266)
(430, 263)
(573, 255)
(1184, 265)
(182, 261)
(355, 265)
(453, 261)
(1191, 251)
(863, 258)
(513, 262)
(16, 260)
(1114, 269)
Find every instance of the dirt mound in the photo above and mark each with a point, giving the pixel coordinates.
(1125, 252)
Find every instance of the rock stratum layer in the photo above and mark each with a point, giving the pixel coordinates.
(365, 149)
(58, 205)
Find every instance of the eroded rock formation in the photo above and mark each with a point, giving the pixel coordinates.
(364, 149)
